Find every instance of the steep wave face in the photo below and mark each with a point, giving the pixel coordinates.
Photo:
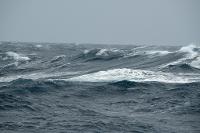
(99, 88)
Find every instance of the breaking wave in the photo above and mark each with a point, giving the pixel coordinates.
(17, 57)
(100, 54)
(114, 75)
(191, 54)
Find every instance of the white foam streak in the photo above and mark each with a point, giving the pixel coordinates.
(130, 75)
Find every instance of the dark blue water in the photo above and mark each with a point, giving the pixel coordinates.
(99, 88)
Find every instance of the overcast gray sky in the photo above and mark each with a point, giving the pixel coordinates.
(101, 21)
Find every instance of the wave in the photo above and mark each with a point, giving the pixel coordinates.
(11, 61)
(13, 94)
(22, 86)
(137, 75)
(190, 56)
(147, 53)
(114, 53)
(196, 63)
(181, 68)
(12, 102)
(130, 84)
(58, 58)
(100, 54)
(185, 53)
(17, 57)
(191, 50)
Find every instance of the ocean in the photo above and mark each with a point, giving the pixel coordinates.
(96, 88)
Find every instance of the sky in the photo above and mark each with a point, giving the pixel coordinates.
(162, 22)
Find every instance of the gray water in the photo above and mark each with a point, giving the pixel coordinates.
(99, 88)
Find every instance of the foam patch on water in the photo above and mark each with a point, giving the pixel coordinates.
(130, 75)
(17, 57)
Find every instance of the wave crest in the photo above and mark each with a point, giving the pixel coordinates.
(130, 75)
(191, 56)
(17, 57)
(100, 54)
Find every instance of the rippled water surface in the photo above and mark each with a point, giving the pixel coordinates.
(99, 88)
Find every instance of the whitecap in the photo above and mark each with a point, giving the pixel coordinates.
(196, 63)
(17, 57)
(130, 75)
(102, 52)
(105, 52)
(190, 55)
(189, 50)
(58, 58)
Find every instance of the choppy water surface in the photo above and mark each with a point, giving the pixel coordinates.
(99, 88)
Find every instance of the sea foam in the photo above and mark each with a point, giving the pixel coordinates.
(17, 57)
(191, 55)
(130, 75)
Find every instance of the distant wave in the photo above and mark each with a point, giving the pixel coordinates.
(196, 62)
(114, 53)
(120, 62)
(58, 58)
(191, 56)
(17, 57)
(100, 54)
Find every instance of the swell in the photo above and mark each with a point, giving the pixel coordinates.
(13, 102)
(95, 105)
(35, 87)
(16, 95)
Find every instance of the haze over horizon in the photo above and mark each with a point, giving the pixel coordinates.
(160, 22)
